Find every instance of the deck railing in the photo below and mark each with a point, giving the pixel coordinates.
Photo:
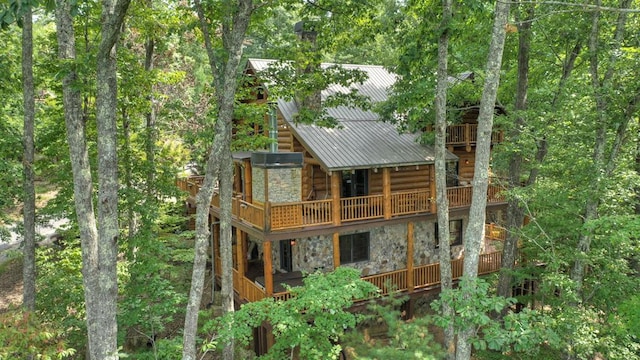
(467, 134)
(424, 276)
(362, 207)
(296, 215)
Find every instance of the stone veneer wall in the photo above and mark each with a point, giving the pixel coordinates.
(387, 252)
(285, 184)
(257, 183)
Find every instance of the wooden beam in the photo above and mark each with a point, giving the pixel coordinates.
(410, 241)
(336, 181)
(267, 259)
(248, 182)
(386, 192)
(336, 250)
(241, 257)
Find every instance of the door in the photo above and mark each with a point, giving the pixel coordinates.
(285, 255)
(355, 183)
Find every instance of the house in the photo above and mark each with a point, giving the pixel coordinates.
(358, 195)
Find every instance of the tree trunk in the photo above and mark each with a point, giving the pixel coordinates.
(442, 201)
(151, 131)
(225, 70)
(474, 235)
(515, 213)
(76, 138)
(226, 246)
(601, 168)
(99, 250)
(29, 212)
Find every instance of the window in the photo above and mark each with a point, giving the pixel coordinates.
(452, 173)
(455, 233)
(354, 248)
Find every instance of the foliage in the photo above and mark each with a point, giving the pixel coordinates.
(24, 335)
(310, 323)
(151, 299)
(523, 332)
(62, 301)
(408, 340)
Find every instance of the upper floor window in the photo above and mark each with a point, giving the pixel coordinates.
(455, 233)
(354, 248)
(452, 173)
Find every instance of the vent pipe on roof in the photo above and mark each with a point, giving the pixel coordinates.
(273, 127)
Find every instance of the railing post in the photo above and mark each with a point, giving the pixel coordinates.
(410, 280)
(467, 136)
(267, 216)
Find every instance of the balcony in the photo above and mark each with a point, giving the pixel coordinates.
(298, 215)
(419, 277)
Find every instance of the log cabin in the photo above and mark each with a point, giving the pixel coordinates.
(361, 194)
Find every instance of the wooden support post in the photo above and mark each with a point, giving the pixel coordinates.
(467, 136)
(267, 258)
(216, 249)
(336, 250)
(336, 181)
(410, 235)
(432, 188)
(248, 182)
(241, 257)
(386, 192)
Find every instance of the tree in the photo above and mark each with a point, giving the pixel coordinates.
(224, 65)
(442, 200)
(99, 245)
(474, 235)
(29, 218)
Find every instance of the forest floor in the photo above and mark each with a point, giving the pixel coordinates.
(10, 284)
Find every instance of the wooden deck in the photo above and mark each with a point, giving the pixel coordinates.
(422, 277)
(298, 215)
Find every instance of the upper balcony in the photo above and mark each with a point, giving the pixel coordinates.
(298, 215)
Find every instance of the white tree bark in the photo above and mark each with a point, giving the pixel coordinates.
(474, 234)
(225, 68)
(442, 201)
(99, 247)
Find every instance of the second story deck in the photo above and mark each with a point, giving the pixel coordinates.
(298, 215)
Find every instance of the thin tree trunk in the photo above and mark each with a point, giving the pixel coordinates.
(128, 176)
(29, 211)
(474, 235)
(102, 318)
(601, 168)
(225, 70)
(76, 138)
(515, 213)
(442, 201)
(151, 131)
(226, 247)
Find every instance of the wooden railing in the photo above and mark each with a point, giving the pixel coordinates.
(296, 215)
(495, 232)
(424, 276)
(362, 207)
(467, 134)
(410, 202)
